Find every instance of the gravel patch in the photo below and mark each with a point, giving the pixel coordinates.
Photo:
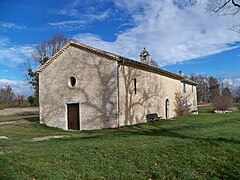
(19, 111)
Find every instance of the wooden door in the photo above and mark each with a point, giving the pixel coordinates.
(73, 116)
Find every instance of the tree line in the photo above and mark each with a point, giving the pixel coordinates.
(9, 99)
(7, 96)
(221, 92)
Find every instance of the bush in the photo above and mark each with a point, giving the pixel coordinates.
(223, 103)
(181, 109)
(33, 100)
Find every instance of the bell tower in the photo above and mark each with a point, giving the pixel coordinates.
(145, 56)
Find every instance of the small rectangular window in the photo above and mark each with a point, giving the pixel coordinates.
(135, 86)
(192, 88)
(184, 87)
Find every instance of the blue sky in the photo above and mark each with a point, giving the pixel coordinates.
(178, 36)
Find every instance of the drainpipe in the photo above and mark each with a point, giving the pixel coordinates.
(118, 88)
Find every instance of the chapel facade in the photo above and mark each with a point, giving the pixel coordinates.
(84, 88)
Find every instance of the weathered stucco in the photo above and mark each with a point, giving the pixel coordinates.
(95, 90)
(152, 91)
(105, 90)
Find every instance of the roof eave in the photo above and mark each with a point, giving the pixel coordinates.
(118, 58)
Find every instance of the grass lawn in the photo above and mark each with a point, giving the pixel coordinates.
(194, 147)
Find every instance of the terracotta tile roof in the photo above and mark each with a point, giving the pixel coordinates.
(122, 60)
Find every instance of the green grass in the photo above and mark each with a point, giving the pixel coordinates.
(206, 146)
(17, 118)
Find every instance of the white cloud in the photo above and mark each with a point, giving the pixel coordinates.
(233, 78)
(170, 33)
(81, 22)
(82, 13)
(19, 87)
(232, 74)
(9, 25)
(13, 55)
(69, 25)
(236, 82)
(4, 70)
(69, 12)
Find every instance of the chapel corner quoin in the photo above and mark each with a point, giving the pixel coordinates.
(84, 88)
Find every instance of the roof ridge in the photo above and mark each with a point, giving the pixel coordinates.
(116, 58)
(54, 57)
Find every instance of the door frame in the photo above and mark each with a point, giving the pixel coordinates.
(66, 113)
(167, 107)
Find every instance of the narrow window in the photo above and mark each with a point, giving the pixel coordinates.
(186, 102)
(192, 88)
(135, 86)
(194, 102)
(184, 87)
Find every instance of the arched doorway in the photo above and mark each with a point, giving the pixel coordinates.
(167, 104)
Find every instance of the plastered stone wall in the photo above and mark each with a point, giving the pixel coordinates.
(97, 94)
(152, 91)
(191, 93)
(95, 90)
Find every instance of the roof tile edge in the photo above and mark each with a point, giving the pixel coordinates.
(117, 58)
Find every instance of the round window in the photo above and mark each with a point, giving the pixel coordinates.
(72, 81)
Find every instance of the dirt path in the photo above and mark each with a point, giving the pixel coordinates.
(24, 111)
(19, 111)
(15, 122)
(43, 138)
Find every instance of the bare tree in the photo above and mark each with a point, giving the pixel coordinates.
(236, 94)
(43, 52)
(225, 7)
(202, 87)
(214, 89)
(224, 101)
(153, 63)
(7, 96)
(47, 49)
(225, 86)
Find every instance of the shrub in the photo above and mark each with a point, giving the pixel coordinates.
(181, 108)
(223, 103)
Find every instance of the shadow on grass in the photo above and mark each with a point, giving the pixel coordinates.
(171, 133)
(155, 129)
(152, 129)
(204, 110)
(32, 118)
